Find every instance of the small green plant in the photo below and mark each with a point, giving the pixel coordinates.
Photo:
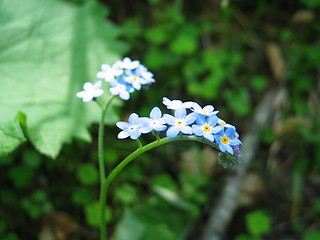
(190, 122)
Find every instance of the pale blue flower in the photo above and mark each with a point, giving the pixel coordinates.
(90, 91)
(207, 110)
(176, 104)
(130, 128)
(223, 123)
(127, 63)
(155, 122)
(180, 122)
(134, 80)
(206, 127)
(121, 88)
(226, 139)
(109, 73)
(143, 72)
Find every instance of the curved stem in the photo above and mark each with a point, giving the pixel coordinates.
(147, 147)
(103, 230)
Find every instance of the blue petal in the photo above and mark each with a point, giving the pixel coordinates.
(160, 128)
(230, 132)
(222, 147)
(180, 113)
(186, 129)
(217, 129)
(169, 119)
(172, 132)
(212, 120)
(208, 136)
(124, 95)
(122, 125)
(228, 148)
(133, 118)
(135, 134)
(200, 119)
(145, 129)
(155, 113)
(197, 130)
(123, 134)
(235, 142)
(190, 118)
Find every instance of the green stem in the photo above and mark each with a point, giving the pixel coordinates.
(145, 148)
(103, 230)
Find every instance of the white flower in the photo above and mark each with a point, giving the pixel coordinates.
(109, 73)
(176, 104)
(90, 91)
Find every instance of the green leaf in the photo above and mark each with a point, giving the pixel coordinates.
(92, 213)
(48, 49)
(311, 235)
(11, 134)
(258, 83)
(82, 196)
(126, 194)
(88, 174)
(130, 227)
(258, 223)
(311, 3)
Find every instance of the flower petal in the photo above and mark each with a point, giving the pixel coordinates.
(122, 125)
(186, 129)
(172, 132)
(155, 113)
(169, 119)
(123, 134)
(190, 118)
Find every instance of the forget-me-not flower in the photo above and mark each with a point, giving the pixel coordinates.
(207, 126)
(135, 80)
(127, 63)
(121, 88)
(179, 122)
(176, 104)
(90, 91)
(155, 122)
(226, 139)
(207, 110)
(109, 73)
(130, 128)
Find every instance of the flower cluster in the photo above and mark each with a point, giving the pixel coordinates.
(124, 76)
(188, 118)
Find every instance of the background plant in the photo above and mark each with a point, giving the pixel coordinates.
(225, 44)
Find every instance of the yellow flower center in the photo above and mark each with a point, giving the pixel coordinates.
(206, 128)
(225, 140)
(203, 112)
(134, 78)
(180, 123)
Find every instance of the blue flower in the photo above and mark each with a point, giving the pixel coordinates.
(207, 110)
(180, 122)
(155, 122)
(121, 88)
(206, 127)
(109, 73)
(127, 63)
(130, 128)
(143, 72)
(176, 104)
(226, 139)
(134, 80)
(90, 91)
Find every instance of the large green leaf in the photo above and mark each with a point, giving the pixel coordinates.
(48, 49)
